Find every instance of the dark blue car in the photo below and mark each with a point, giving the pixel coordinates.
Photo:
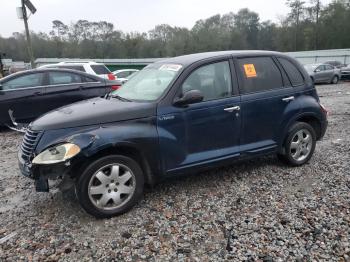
(175, 117)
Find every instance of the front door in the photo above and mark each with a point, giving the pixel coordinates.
(203, 132)
(23, 96)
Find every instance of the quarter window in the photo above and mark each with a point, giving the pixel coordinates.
(29, 80)
(214, 81)
(100, 69)
(294, 74)
(259, 74)
(61, 78)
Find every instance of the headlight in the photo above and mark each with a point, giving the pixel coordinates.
(57, 154)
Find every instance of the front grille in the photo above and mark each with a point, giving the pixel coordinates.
(29, 142)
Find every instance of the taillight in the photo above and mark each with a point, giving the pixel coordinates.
(111, 77)
(324, 110)
(115, 87)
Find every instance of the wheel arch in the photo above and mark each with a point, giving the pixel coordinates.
(309, 118)
(127, 150)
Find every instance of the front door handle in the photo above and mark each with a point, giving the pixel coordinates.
(231, 109)
(288, 99)
(38, 93)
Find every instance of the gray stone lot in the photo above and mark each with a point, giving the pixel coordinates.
(258, 210)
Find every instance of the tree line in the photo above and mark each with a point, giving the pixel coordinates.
(309, 25)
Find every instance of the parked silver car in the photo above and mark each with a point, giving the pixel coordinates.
(323, 73)
(345, 72)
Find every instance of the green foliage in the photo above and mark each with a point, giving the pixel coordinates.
(309, 25)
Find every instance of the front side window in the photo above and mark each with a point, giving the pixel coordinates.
(61, 78)
(329, 67)
(292, 71)
(29, 80)
(259, 74)
(214, 81)
(149, 83)
(321, 68)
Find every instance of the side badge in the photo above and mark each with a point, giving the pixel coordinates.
(163, 118)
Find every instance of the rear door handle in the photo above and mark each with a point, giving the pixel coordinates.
(231, 109)
(288, 99)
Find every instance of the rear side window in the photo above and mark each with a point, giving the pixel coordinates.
(100, 69)
(79, 68)
(259, 74)
(214, 81)
(122, 74)
(90, 80)
(295, 77)
(61, 78)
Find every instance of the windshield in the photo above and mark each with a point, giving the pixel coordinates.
(149, 83)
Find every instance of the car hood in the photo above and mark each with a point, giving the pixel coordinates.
(93, 112)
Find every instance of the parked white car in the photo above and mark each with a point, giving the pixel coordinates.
(124, 74)
(89, 67)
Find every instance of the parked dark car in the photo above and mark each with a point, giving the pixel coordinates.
(32, 93)
(175, 117)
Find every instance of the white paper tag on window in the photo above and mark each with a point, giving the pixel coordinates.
(171, 67)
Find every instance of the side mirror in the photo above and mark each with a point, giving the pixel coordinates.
(190, 97)
(317, 70)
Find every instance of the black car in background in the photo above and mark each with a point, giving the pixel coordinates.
(27, 95)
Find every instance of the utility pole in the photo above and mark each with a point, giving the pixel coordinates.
(318, 5)
(1, 65)
(29, 41)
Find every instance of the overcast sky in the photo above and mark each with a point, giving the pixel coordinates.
(131, 15)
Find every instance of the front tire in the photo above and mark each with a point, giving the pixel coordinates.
(110, 186)
(299, 144)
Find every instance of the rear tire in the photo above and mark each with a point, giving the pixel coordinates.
(110, 186)
(335, 80)
(299, 144)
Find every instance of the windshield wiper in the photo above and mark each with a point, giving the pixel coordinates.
(120, 98)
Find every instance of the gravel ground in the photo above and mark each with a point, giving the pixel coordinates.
(259, 210)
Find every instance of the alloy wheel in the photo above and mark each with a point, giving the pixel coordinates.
(111, 186)
(301, 145)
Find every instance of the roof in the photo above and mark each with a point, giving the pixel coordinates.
(143, 61)
(39, 70)
(189, 59)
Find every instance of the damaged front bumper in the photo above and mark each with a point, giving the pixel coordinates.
(58, 175)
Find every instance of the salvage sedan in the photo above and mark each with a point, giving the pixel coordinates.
(27, 95)
(323, 73)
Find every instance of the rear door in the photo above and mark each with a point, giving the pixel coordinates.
(23, 95)
(64, 88)
(266, 101)
(329, 72)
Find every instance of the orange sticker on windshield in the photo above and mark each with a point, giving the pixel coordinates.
(250, 70)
